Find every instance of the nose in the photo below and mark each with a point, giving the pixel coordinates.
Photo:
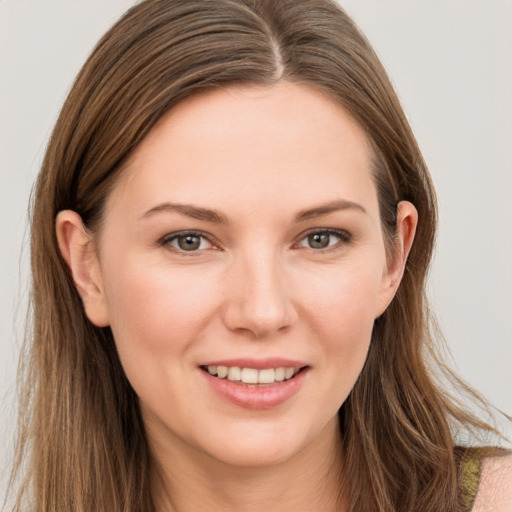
(258, 298)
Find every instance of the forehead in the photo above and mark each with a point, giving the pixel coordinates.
(248, 142)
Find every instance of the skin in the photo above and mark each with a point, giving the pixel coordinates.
(255, 288)
(495, 488)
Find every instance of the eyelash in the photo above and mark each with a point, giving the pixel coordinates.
(343, 238)
(168, 239)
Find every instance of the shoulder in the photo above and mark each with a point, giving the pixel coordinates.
(495, 489)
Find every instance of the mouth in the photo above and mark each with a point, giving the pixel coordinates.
(256, 384)
(253, 376)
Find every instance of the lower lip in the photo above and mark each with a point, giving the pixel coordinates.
(256, 397)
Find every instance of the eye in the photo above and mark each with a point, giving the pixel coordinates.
(187, 241)
(324, 239)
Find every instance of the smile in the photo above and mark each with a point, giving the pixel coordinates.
(252, 375)
(269, 385)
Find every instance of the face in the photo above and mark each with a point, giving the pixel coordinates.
(241, 265)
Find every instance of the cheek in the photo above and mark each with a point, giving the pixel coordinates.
(341, 312)
(155, 311)
(344, 299)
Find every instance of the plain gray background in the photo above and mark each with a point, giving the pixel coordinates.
(451, 62)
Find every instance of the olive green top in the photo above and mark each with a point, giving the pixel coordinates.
(470, 469)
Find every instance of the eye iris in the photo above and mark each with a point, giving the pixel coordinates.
(189, 242)
(319, 240)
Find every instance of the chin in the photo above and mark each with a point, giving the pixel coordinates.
(265, 444)
(257, 453)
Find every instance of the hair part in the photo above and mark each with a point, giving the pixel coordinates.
(82, 437)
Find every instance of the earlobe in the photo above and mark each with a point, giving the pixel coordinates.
(407, 221)
(77, 249)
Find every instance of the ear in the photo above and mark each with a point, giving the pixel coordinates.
(78, 251)
(407, 221)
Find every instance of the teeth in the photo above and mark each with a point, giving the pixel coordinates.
(222, 371)
(279, 374)
(249, 376)
(252, 375)
(234, 373)
(267, 376)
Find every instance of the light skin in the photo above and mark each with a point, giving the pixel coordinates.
(285, 259)
(495, 488)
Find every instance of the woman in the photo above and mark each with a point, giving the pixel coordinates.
(230, 238)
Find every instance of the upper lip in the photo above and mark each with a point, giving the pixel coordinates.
(258, 364)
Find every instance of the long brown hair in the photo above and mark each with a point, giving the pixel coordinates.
(82, 445)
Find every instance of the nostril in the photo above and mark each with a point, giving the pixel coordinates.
(259, 321)
(258, 299)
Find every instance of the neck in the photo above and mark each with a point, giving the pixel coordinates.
(310, 480)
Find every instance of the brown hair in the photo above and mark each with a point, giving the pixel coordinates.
(81, 436)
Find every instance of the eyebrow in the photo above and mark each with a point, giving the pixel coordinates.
(189, 210)
(215, 217)
(326, 208)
